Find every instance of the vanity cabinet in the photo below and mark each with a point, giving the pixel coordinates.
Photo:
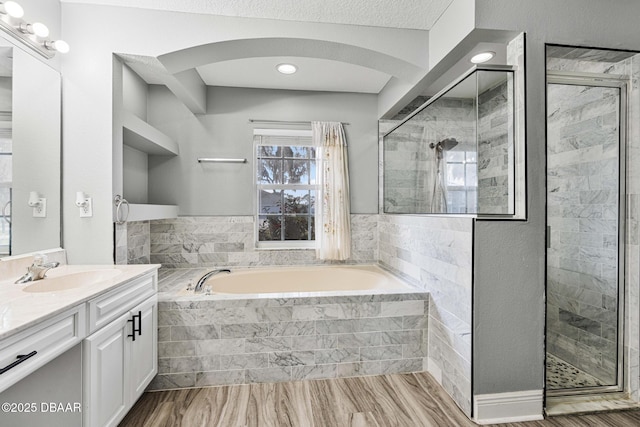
(25, 352)
(120, 358)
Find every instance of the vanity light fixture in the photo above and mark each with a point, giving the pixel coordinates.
(13, 10)
(286, 68)
(33, 35)
(482, 57)
(38, 29)
(84, 203)
(38, 203)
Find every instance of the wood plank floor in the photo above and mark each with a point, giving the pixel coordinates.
(404, 400)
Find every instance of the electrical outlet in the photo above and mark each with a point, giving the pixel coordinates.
(86, 211)
(41, 210)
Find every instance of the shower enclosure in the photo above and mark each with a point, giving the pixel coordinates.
(586, 144)
(455, 154)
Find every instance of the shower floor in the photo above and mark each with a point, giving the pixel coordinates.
(561, 375)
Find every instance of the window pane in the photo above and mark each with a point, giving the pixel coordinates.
(269, 228)
(471, 156)
(456, 201)
(297, 151)
(472, 180)
(455, 156)
(472, 202)
(455, 175)
(269, 151)
(296, 227)
(312, 172)
(296, 172)
(270, 202)
(313, 228)
(270, 171)
(312, 197)
(296, 201)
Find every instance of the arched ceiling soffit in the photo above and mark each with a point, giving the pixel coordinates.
(193, 57)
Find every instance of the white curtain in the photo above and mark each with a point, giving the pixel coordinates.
(333, 219)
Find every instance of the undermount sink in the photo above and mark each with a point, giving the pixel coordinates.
(71, 281)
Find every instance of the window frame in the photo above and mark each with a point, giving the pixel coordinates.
(284, 133)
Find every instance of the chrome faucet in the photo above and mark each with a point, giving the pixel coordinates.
(204, 278)
(37, 270)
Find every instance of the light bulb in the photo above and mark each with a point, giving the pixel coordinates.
(58, 45)
(39, 30)
(13, 9)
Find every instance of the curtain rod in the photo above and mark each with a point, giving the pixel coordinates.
(296, 122)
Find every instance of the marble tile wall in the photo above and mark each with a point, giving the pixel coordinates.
(620, 63)
(189, 242)
(582, 211)
(495, 146)
(436, 254)
(132, 243)
(215, 342)
(409, 162)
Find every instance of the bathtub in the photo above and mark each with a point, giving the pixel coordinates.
(264, 325)
(305, 279)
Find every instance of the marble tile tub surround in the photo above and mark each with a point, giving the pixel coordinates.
(204, 341)
(133, 242)
(188, 242)
(436, 253)
(620, 63)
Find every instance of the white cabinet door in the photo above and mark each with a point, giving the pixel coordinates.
(106, 374)
(144, 350)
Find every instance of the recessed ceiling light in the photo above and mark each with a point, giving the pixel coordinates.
(286, 68)
(482, 57)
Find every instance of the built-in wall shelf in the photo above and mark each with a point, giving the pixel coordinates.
(146, 212)
(138, 134)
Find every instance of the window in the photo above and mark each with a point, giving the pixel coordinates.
(286, 188)
(462, 187)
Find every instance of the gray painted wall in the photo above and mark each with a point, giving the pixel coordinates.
(225, 131)
(509, 275)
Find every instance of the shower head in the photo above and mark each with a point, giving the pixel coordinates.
(444, 145)
(448, 144)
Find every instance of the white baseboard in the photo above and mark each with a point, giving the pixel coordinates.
(508, 407)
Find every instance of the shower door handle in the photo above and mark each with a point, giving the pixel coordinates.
(548, 236)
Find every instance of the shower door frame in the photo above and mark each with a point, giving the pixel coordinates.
(617, 82)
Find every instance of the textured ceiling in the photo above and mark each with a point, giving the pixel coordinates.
(414, 14)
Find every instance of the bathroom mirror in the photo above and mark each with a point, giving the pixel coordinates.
(30, 93)
(455, 153)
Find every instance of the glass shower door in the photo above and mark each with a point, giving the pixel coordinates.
(585, 135)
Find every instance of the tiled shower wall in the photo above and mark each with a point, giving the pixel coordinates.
(582, 212)
(621, 63)
(436, 254)
(495, 146)
(410, 163)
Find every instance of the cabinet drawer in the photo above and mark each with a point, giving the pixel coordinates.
(110, 306)
(43, 342)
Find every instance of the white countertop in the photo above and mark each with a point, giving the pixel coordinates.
(20, 310)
